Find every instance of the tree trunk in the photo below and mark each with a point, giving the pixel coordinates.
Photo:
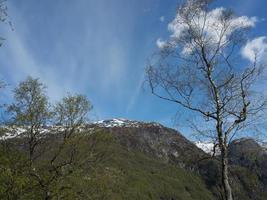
(225, 179)
(47, 195)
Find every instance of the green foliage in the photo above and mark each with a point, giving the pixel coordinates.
(49, 157)
(103, 169)
(31, 104)
(245, 181)
(72, 110)
(142, 177)
(117, 173)
(13, 175)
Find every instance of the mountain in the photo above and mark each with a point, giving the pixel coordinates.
(250, 159)
(153, 139)
(124, 159)
(172, 147)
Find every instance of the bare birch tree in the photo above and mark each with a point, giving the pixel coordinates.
(3, 16)
(200, 68)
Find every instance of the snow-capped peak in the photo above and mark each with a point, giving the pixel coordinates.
(13, 132)
(117, 122)
(207, 147)
(120, 122)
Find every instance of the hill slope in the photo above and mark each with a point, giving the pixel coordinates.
(122, 159)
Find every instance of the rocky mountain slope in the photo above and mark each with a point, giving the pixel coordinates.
(149, 161)
(152, 139)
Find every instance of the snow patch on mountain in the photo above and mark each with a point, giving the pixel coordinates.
(113, 122)
(16, 132)
(13, 132)
(205, 146)
(208, 147)
(120, 122)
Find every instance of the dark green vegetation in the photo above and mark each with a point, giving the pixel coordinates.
(145, 161)
(46, 157)
(103, 169)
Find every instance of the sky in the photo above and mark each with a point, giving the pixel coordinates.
(99, 48)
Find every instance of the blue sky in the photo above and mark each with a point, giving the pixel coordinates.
(98, 48)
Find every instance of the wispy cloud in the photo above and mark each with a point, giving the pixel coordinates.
(98, 63)
(208, 22)
(255, 47)
(81, 49)
(135, 94)
(22, 64)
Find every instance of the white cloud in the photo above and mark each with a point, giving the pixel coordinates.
(257, 46)
(162, 19)
(213, 26)
(160, 43)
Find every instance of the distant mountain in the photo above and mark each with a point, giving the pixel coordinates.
(141, 160)
(153, 139)
(247, 153)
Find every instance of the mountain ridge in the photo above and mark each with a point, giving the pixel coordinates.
(139, 144)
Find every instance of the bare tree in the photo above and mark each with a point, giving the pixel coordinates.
(200, 69)
(3, 10)
(3, 16)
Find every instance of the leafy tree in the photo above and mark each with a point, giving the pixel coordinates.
(30, 112)
(198, 70)
(31, 117)
(14, 180)
(71, 112)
